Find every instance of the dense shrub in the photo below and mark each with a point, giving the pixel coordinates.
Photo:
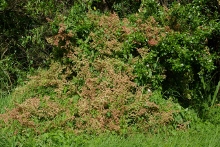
(121, 7)
(114, 68)
(188, 56)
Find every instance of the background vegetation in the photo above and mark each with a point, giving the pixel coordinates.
(82, 68)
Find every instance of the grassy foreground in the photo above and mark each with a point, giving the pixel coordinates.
(206, 135)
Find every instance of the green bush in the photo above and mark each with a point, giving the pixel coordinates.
(24, 26)
(121, 7)
(188, 56)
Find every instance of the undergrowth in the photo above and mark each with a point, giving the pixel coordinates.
(154, 71)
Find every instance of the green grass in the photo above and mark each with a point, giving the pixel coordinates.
(177, 139)
(205, 135)
(4, 101)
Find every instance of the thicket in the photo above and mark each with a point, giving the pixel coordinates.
(113, 59)
(24, 25)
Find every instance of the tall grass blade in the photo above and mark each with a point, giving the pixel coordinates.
(215, 94)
